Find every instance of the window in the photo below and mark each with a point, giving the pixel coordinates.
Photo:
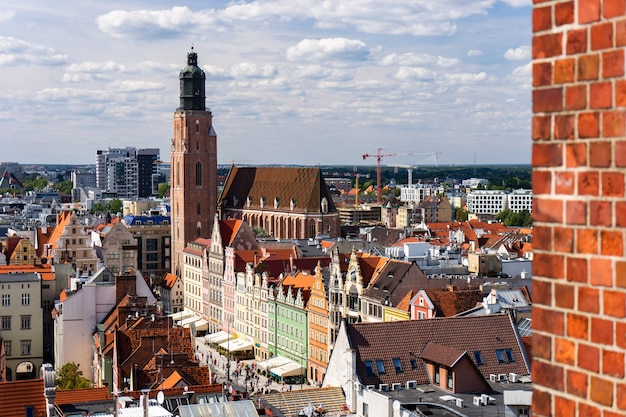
(380, 366)
(397, 365)
(198, 174)
(500, 356)
(25, 322)
(478, 357)
(509, 355)
(7, 347)
(25, 299)
(6, 323)
(368, 368)
(6, 300)
(437, 380)
(25, 347)
(413, 364)
(449, 378)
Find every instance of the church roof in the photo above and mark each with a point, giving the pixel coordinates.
(293, 189)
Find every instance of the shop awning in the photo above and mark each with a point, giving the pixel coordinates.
(186, 322)
(181, 315)
(289, 369)
(218, 337)
(236, 345)
(200, 325)
(271, 363)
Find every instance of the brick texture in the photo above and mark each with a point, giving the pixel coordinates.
(579, 212)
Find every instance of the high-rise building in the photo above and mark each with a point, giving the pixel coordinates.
(193, 161)
(129, 172)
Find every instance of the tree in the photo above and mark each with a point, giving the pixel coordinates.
(70, 377)
(163, 188)
(64, 187)
(461, 215)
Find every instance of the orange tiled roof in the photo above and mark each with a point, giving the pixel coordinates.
(15, 396)
(44, 270)
(169, 280)
(63, 220)
(299, 280)
(73, 396)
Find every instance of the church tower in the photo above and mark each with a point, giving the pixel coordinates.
(193, 176)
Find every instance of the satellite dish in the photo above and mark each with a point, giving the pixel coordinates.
(160, 397)
(186, 388)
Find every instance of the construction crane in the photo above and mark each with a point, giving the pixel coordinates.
(379, 156)
(356, 186)
(409, 169)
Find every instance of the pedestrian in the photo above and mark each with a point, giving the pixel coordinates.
(290, 387)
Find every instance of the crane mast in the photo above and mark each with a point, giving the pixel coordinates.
(379, 156)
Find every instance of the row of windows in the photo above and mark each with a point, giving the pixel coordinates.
(378, 366)
(25, 346)
(5, 322)
(6, 300)
(503, 356)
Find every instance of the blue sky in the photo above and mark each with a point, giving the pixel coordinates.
(289, 81)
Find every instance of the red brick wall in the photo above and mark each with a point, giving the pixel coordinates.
(579, 161)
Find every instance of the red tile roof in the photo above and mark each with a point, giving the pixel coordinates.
(15, 396)
(477, 333)
(304, 185)
(450, 303)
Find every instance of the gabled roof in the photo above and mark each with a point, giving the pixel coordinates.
(63, 219)
(443, 355)
(485, 334)
(294, 189)
(169, 280)
(450, 303)
(386, 279)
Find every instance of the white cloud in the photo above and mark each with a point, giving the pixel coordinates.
(465, 78)
(317, 72)
(150, 24)
(18, 52)
(414, 73)
(136, 86)
(89, 71)
(518, 54)
(6, 15)
(248, 70)
(474, 52)
(329, 49)
(393, 17)
(411, 59)
(517, 3)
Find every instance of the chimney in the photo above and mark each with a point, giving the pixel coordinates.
(125, 284)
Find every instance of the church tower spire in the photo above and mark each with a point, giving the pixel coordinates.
(193, 178)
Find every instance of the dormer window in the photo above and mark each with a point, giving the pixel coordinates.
(248, 201)
(292, 204)
(276, 202)
(262, 201)
(324, 205)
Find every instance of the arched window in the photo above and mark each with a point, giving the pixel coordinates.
(198, 174)
(197, 127)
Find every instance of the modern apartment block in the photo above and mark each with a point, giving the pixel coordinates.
(129, 172)
(494, 201)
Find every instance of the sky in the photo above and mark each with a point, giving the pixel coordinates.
(307, 82)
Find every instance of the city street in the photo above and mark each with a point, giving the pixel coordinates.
(254, 382)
